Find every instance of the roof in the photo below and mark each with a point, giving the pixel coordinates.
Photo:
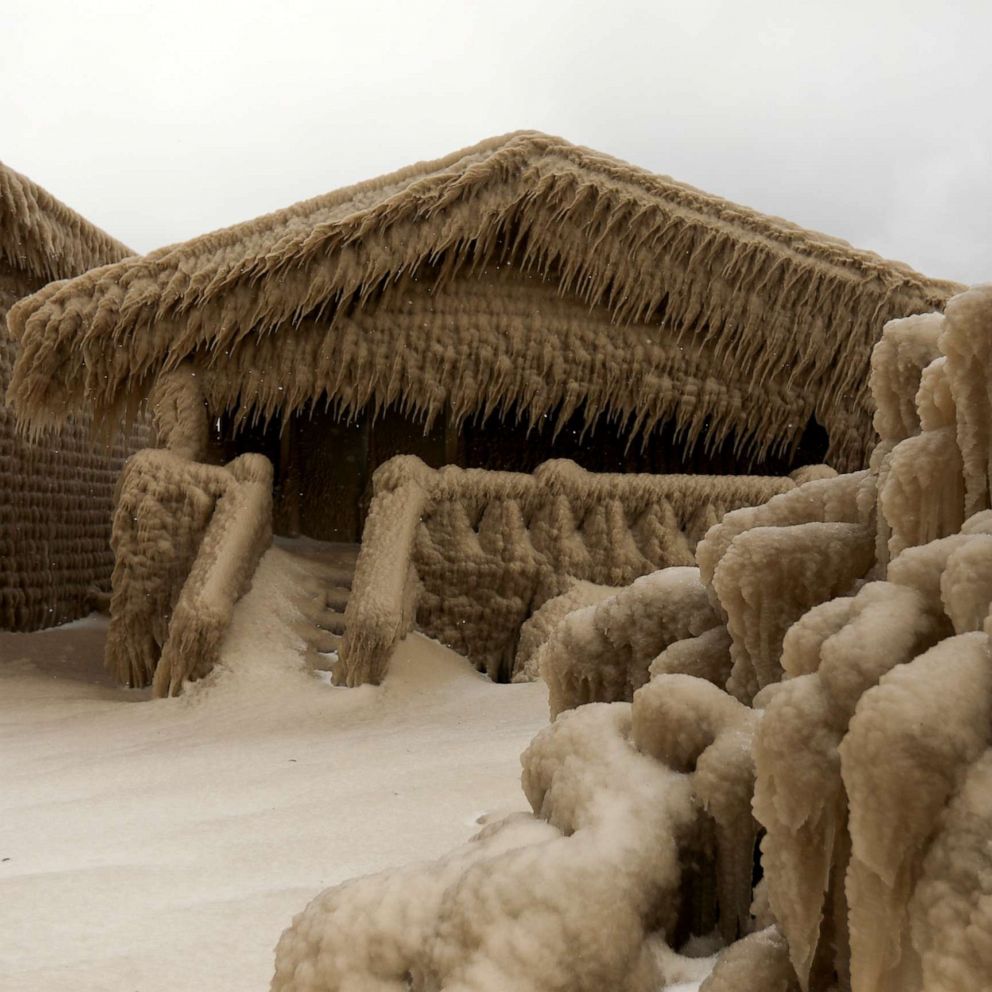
(42, 236)
(767, 303)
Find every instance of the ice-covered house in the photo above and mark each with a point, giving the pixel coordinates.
(55, 497)
(517, 301)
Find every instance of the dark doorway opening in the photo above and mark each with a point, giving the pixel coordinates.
(324, 464)
(510, 445)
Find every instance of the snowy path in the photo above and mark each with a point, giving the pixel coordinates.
(163, 846)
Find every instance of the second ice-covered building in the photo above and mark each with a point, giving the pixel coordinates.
(56, 497)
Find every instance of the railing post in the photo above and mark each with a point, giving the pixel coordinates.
(179, 412)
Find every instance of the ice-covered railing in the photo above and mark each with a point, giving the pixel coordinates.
(186, 539)
(470, 554)
(382, 606)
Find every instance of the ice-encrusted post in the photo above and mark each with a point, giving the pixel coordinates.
(179, 412)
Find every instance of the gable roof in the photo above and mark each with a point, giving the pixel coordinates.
(769, 304)
(42, 236)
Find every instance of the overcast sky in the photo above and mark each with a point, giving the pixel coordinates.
(868, 120)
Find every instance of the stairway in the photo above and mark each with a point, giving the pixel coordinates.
(332, 567)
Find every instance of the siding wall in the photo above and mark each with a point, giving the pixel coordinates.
(56, 501)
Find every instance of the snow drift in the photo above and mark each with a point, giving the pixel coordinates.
(162, 844)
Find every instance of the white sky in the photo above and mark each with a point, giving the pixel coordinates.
(160, 120)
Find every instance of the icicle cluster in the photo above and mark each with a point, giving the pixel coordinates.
(471, 554)
(523, 270)
(823, 682)
(42, 236)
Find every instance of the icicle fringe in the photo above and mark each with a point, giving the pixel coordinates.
(42, 236)
(718, 294)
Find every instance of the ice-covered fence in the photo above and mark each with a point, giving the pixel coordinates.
(469, 554)
(186, 538)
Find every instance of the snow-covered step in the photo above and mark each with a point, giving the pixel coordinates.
(333, 567)
(339, 576)
(323, 641)
(336, 598)
(330, 620)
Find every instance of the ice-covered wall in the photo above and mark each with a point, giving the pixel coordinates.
(823, 682)
(56, 502)
(471, 554)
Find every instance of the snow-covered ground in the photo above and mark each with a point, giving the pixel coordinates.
(163, 846)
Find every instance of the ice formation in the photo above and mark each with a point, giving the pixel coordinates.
(602, 653)
(568, 898)
(538, 628)
(822, 684)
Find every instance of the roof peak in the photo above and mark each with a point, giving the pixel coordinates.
(43, 236)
